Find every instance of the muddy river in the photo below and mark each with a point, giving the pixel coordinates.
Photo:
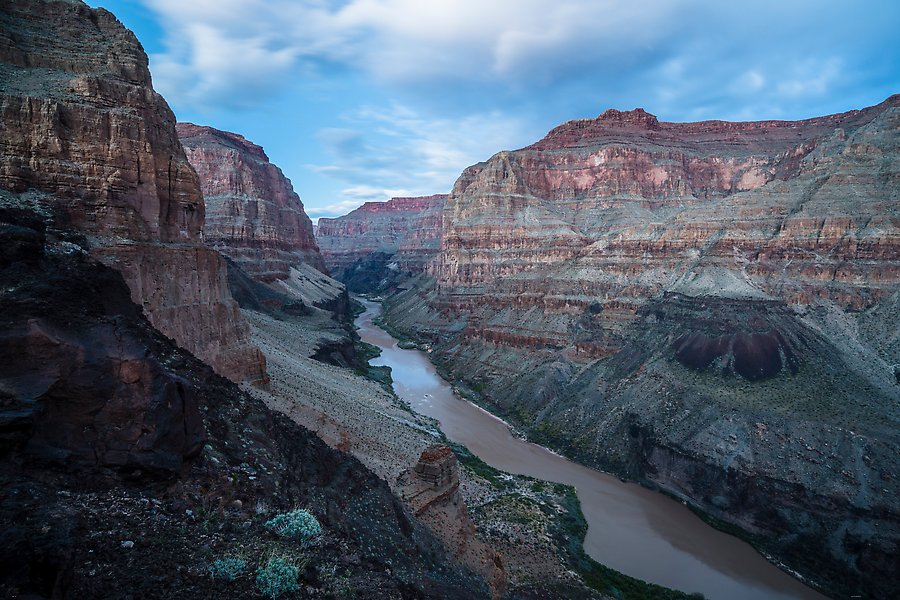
(631, 529)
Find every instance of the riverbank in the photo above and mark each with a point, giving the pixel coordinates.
(360, 417)
(694, 553)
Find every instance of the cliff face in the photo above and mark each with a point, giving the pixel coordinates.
(706, 307)
(803, 209)
(380, 242)
(85, 380)
(87, 139)
(253, 215)
(603, 215)
(107, 426)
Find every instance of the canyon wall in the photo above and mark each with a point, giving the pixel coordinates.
(253, 215)
(118, 449)
(88, 141)
(709, 308)
(386, 241)
(107, 426)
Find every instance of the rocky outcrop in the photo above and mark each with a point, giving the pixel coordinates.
(692, 303)
(437, 466)
(87, 138)
(253, 215)
(434, 478)
(116, 445)
(381, 243)
(431, 488)
(84, 380)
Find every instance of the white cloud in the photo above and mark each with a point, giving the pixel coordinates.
(475, 76)
(394, 151)
(811, 77)
(223, 46)
(239, 51)
(750, 81)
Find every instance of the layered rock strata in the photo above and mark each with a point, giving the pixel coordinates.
(86, 137)
(253, 215)
(801, 210)
(431, 488)
(380, 243)
(679, 301)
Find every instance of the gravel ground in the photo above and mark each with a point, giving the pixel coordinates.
(348, 411)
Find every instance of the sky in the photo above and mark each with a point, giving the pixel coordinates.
(362, 100)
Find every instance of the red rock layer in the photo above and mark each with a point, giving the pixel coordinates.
(87, 137)
(253, 214)
(407, 228)
(615, 210)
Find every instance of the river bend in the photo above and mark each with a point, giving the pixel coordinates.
(634, 530)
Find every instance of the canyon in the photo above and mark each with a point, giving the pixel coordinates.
(178, 369)
(131, 462)
(706, 308)
(394, 239)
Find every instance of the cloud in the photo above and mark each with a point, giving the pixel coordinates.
(394, 151)
(406, 93)
(241, 51)
(810, 77)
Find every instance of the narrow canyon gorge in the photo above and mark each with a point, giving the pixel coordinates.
(707, 309)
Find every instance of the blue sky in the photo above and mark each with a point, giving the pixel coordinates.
(360, 100)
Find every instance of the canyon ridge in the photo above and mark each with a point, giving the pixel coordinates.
(708, 308)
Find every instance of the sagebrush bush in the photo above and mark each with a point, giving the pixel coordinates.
(299, 524)
(228, 568)
(277, 576)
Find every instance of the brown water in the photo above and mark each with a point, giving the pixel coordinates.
(631, 529)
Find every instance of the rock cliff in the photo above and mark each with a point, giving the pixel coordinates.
(84, 377)
(253, 215)
(706, 307)
(380, 243)
(127, 467)
(87, 139)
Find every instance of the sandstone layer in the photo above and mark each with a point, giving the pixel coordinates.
(253, 215)
(393, 239)
(709, 308)
(85, 137)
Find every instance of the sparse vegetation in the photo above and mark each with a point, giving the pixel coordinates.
(227, 568)
(299, 524)
(277, 576)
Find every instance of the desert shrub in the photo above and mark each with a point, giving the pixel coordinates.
(299, 524)
(277, 576)
(228, 568)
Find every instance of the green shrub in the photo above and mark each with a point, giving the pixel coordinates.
(228, 568)
(299, 524)
(276, 577)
